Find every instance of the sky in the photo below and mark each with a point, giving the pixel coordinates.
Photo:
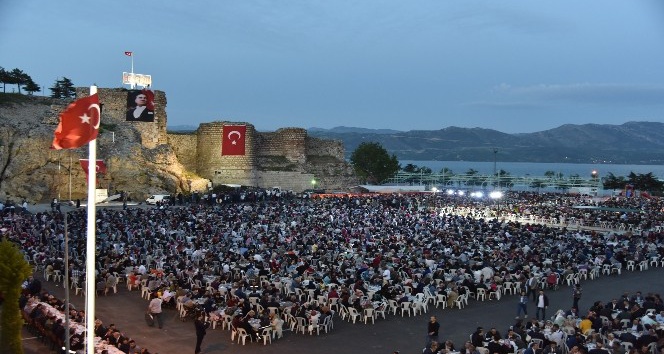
(516, 66)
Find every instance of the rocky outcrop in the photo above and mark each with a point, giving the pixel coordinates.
(138, 158)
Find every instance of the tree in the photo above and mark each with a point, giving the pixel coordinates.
(4, 78)
(645, 182)
(18, 77)
(410, 168)
(538, 183)
(612, 182)
(31, 87)
(63, 88)
(373, 164)
(14, 269)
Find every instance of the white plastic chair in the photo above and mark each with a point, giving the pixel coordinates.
(353, 314)
(242, 335)
(441, 299)
(481, 294)
(369, 314)
(406, 307)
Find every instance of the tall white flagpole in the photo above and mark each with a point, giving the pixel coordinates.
(133, 80)
(90, 279)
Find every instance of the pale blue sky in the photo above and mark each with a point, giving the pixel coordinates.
(512, 65)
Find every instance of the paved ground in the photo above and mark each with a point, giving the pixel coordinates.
(126, 309)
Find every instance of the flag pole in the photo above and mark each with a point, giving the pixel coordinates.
(67, 335)
(133, 80)
(90, 280)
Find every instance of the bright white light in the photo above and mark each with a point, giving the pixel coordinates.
(496, 195)
(450, 192)
(434, 189)
(477, 194)
(461, 192)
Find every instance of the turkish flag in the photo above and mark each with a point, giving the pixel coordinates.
(129, 54)
(233, 140)
(79, 124)
(101, 166)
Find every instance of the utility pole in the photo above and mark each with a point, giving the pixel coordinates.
(495, 175)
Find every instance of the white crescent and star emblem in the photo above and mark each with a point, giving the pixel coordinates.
(230, 135)
(94, 116)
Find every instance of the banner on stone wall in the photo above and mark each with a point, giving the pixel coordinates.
(140, 106)
(233, 140)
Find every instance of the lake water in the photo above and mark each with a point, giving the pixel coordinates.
(538, 169)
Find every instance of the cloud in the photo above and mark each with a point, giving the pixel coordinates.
(584, 93)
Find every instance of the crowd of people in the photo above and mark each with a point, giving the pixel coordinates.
(218, 253)
(628, 324)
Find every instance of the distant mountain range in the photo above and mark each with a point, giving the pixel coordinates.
(629, 143)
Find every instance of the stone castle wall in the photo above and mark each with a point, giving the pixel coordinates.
(295, 181)
(325, 147)
(286, 142)
(211, 164)
(185, 147)
(287, 158)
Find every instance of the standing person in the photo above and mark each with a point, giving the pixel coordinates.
(201, 327)
(522, 306)
(542, 304)
(155, 309)
(576, 295)
(532, 286)
(432, 331)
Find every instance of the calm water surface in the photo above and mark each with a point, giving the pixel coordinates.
(538, 169)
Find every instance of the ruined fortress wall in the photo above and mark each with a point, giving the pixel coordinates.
(325, 147)
(287, 142)
(211, 164)
(295, 181)
(185, 147)
(114, 108)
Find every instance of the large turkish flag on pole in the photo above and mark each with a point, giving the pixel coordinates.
(233, 139)
(79, 124)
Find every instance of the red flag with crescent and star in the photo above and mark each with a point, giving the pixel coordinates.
(233, 140)
(129, 54)
(79, 124)
(100, 167)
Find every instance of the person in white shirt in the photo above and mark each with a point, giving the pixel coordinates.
(556, 335)
(386, 273)
(648, 320)
(660, 317)
(155, 310)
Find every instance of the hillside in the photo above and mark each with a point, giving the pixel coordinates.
(631, 143)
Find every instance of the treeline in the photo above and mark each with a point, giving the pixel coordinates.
(638, 181)
(62, 88)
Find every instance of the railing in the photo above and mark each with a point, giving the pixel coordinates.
(482, 181)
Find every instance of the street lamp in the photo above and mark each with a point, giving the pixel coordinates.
(595, 181)
(313, 183)
(495, 176)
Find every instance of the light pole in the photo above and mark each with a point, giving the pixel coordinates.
(313, 183)
(595, 181)
(495, 175)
